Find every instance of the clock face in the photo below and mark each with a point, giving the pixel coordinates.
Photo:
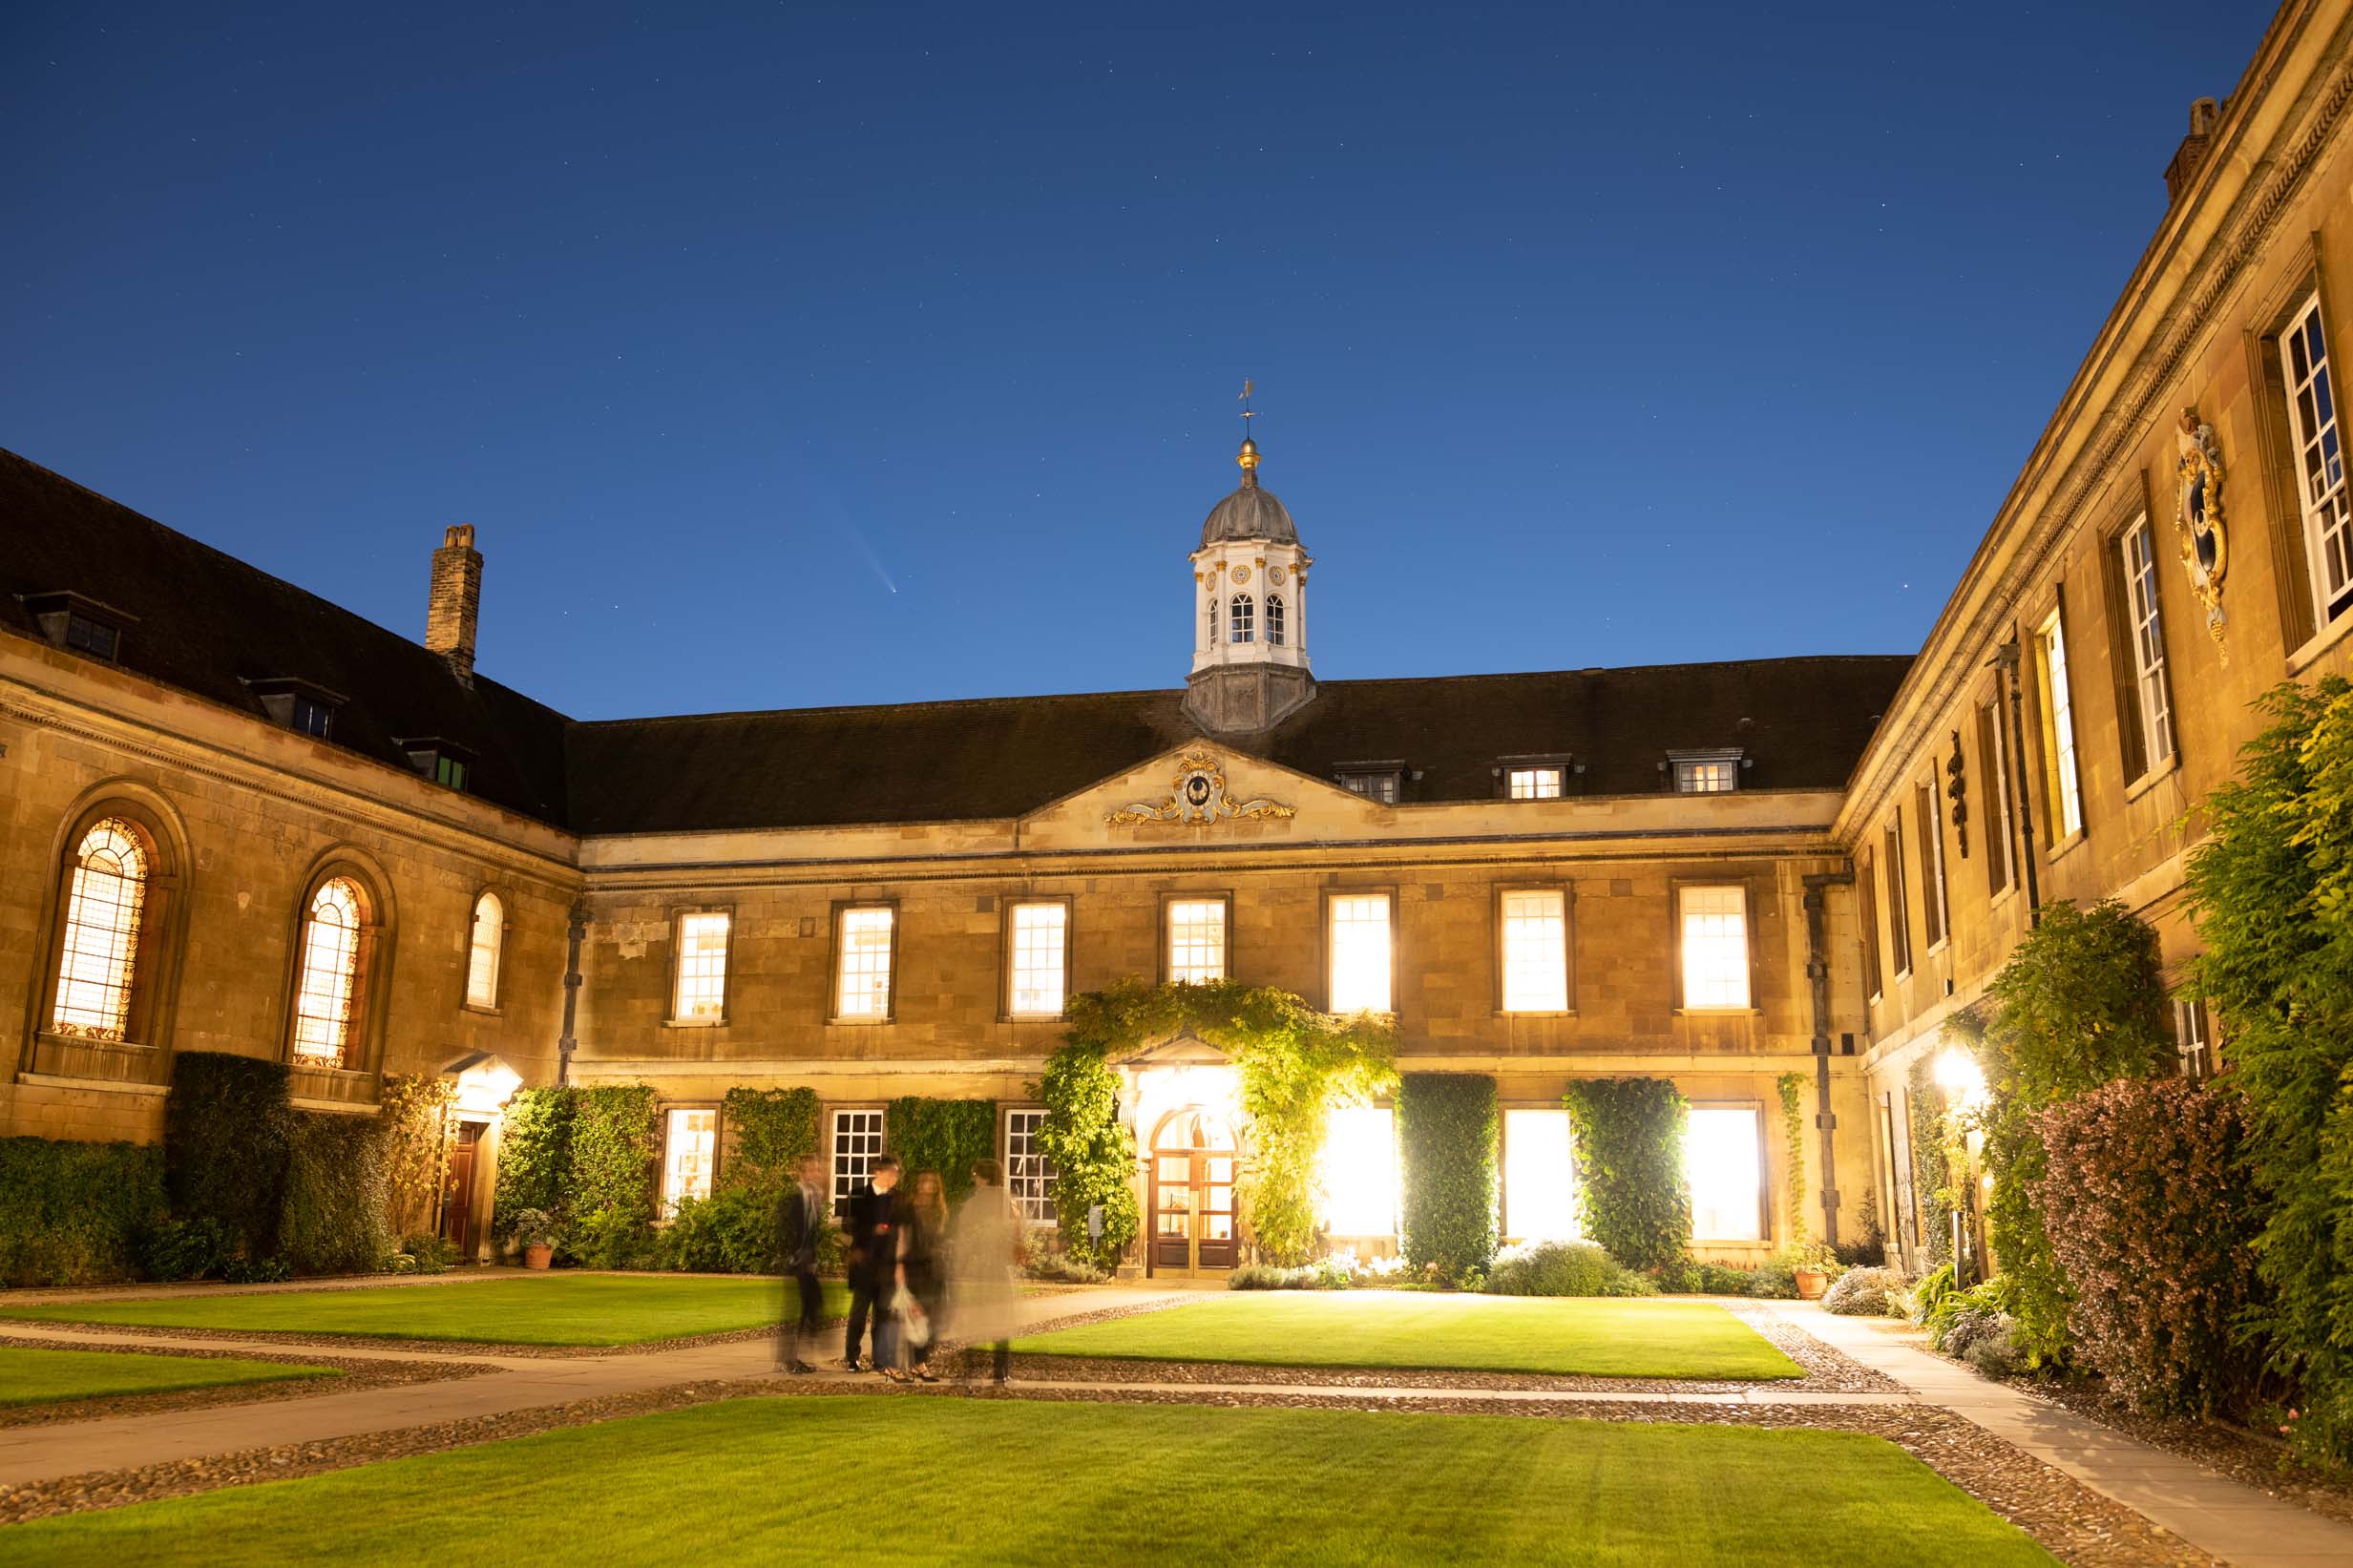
(1274, 576)
(1241, 573)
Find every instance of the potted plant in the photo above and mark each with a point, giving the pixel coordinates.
(534, 1231)
(1813, 1265)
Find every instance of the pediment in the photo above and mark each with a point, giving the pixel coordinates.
(1199, 793)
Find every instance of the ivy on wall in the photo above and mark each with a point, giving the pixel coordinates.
(586, 1156)
(534, 1155)
(1092, 1154)
(1628, 1137)
(336, 1196)
(1792, 1087)
(418, 1132)
(769, 1130)
(1447, 1134)
(946, 1136)
(226, 1124)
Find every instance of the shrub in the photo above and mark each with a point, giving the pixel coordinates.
(1319, 1276)
(1628, 1137)
(1093, 1154)
(256, 1271)
(225, 1128)
(731, 1232)
(2149, 1205)
(609, 1238)
(333, 1221)
(769, 1130)
(1933, 1288)
(615, 1142)
(426, 1253)
(418, 1130)
(1975, 1325)
(1707, 1279)
(947, 1136)
(1056, 1268)
(535, 1157)
(1931, 1134)
(75, 1213)
(1866, 1292)
(1773, 1280)
(1557, 1268)
(1447, 1130)
(170, 1251)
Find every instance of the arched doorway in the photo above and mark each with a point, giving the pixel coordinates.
(1192, 1193)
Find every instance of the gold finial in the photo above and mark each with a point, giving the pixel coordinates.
(1249, 449)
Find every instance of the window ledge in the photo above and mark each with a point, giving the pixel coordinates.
(1528, 1013)
(1035, 1018)
(2066, 846)
(2155, 775)
(1936, 946)
(1719, 1013)
(694, 1023)
(114, 1086)
(478, 1011)
(2319, 643)
(860, 1022)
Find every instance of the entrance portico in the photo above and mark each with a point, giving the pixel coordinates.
(1181, 1101)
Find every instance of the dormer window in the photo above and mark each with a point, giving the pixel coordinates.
(1715, 770)
(443, 761)
(80, 623)
(299, 706)
(1537, 776)
(1373, 782)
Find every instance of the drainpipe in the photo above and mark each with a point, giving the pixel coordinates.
(575, 934)
(2006, 659)
(1818, 973)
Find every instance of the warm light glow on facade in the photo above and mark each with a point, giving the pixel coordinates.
(1197, 940)
(1721, 1158)
(1360, 951)
(1361, 1171)
(1715, 947)
(1539, 1177)
(689, 1156)
(701, 966)
(864, 981)
(1040, 933)
(1534, 953)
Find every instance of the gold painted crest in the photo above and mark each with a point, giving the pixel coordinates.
(1198, 797)
(2198, 517)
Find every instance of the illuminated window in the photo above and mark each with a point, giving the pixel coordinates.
(2156, 707)
(330, 971)
(1539, 1177)
(99, 955)
(1029, 1175)
(1040, 951)
(1713, 777)
(1359, 943)
(701, 993)
(1274, 620)
(1374, 784)
(1715, 947)
(689, 1153)
(2319, 463)
(1722, 1159)
(490, 928)
(1244, 628)
(1361, 1171)
(857, 1143)
(2059, 728)
(862, 981)
(1197, 939)
(1535, 951)
(1533, 784)
(2193, 1039)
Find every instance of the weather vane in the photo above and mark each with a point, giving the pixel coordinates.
(1247, 415)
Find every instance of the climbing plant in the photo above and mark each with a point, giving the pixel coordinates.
(769, 1131)
(1792, 1087)
(418, 1130)
(947, 1136)
(1295, 1066)
(1628, 1138)
(1447, 1126)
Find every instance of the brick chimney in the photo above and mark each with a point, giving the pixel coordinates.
(2191, 153)
(456, 600)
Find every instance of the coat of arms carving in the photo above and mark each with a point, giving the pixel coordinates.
(2197, 517)
(1199, 797)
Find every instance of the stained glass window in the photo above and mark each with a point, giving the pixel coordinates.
(101, 952)
(330, 975)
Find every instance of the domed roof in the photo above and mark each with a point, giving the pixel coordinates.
(1249, 514)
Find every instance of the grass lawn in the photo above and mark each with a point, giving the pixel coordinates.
(30, 1376)
(558, 1310)
(1419, 1331)
(894, 1482)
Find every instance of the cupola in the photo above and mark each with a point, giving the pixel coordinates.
(1250, 610)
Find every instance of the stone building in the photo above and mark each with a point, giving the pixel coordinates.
(234, 817)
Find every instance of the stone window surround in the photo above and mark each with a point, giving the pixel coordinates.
(1162, 933)
(677, 914)
(1675, 886)
(835, 952)
(505, 894)
(1006, 905)
(1323, 924)
(378, 936)
(1568, 889)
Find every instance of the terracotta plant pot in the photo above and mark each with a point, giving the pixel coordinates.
(540, 1256)
(1811, 1284)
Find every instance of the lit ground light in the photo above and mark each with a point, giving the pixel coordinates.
(1413, 1330)
(868, 1480)
(558, 1310)
(30, 1376)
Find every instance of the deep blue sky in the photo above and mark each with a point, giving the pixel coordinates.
(1583, 335)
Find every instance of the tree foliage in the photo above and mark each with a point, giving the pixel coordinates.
(1628, 1137)
(2081, 1003)
(1447, 1143)
(2272, 893)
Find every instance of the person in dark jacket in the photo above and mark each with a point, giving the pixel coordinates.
(800, 1228)
(873, 1227)
(922, 1276)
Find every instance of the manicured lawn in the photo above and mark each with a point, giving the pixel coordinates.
(898, 1481)
(558, 1310)
(1411, 1329)
(32, 1377)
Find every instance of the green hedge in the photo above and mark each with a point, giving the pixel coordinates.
(1447, 1128)
(767, 1130)
(73, 1213)
(1628, 1138)
(336, 1217)
(946, 1136)
(586, 1156)
(534, 1155)
(226, 1126)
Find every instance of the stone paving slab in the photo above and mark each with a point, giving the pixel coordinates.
(2213, 1512)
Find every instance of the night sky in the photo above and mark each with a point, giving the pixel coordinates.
(800, 355)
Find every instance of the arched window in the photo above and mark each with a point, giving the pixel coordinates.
(326, 986)
(1212, 622)
(490, 933)
(105, 909)
(1245, 629)
(1274, 620)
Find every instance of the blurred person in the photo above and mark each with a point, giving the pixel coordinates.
(800, 1229)
(922, 1242)
(874, 1225)
(981, 1297)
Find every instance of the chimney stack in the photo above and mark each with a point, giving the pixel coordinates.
(457, 600)
(2191, 153)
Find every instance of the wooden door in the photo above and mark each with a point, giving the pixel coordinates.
(1192, 1194)
(457, 1189)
